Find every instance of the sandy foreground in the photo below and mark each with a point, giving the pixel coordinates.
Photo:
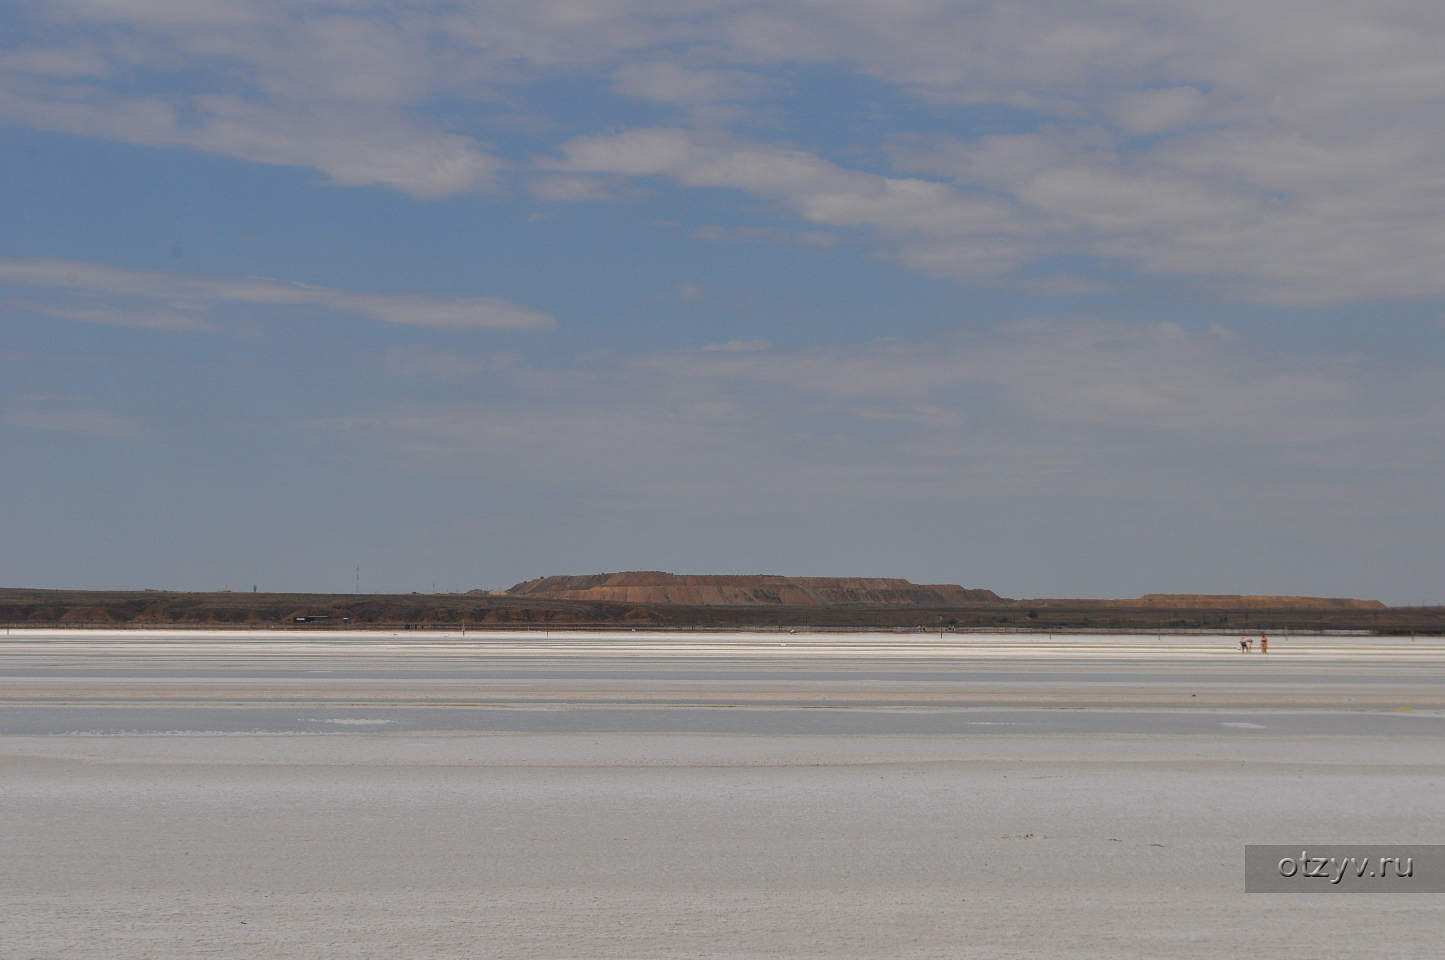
(1052, 819)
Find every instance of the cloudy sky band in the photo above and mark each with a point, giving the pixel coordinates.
(1063, 297)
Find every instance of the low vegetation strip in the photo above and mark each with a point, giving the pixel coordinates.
(527, 609)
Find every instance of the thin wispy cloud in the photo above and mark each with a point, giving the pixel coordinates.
(92, 423)
(671, 83)
(737, 346)
(442, 364)
(175, 321)
(1102, 383)
(198, 293)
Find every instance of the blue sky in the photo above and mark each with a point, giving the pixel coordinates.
(1059, 299)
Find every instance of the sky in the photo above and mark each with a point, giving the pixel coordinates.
(1088, 298)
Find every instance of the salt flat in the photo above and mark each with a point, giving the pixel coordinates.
(634, 795)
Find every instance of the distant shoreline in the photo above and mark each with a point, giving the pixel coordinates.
(90, 609)
(424, 630)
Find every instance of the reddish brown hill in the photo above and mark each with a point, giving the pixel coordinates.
(654, 587)
(82, 615)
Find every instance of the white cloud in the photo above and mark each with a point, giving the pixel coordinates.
(738, 346)
(998, 161)
(229, 13)
(152, 318)
(1065, 285)
(1273, 219)
(801, 238)
(95, 423)
(1300, 163)
(563, 188)
(1096, 373)
(262, 83)
(354, 148)
(421, 362)
(198, 293)
(623, 443)
(1096, 390)
(671, 83)
(76, 62)
(1151, 111)
(815, 189)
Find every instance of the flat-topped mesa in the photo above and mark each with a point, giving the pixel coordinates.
(655, 587)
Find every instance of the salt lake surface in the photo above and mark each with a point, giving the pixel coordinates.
(326, 794)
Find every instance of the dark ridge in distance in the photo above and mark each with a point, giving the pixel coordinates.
(21, 607)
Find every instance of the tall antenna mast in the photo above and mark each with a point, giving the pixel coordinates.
(358, 578)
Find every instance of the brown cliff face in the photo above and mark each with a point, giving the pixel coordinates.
(653, 587)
